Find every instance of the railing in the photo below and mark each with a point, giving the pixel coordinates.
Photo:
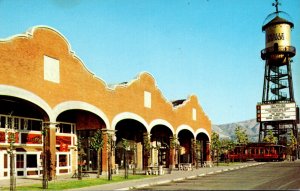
(290, 50)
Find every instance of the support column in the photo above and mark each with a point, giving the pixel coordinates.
(49, 150)
(173, 142)
(208, 158)
(147, 150)
(194, 149)
(52, 149)
(108, 156)
(105, 151)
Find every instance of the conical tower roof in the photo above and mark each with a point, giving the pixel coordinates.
(279, 17)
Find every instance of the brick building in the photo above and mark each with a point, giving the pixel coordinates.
(44, 85)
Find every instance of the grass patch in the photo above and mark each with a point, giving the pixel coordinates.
(69, 184)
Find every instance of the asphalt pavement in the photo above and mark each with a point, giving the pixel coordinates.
(175, 175)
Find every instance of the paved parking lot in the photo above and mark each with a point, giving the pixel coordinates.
(270, 176)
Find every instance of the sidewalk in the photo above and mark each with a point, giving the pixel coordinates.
(140, 183)
(166, 178)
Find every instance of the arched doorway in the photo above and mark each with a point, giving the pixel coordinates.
(202, 152)
(24, 119)
(134, 133)
(185, 138)
(85, 125)
(160, 141)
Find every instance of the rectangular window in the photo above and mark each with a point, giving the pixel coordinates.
(9, 122)
(5, 160)
(2, 122)
(194, 114)
(16, 123)
(63, 160)
(31, 160)
(65, 128)
(20, 173)
(147, 99)
(24, 124)
(20, 160)
(34, 125)
(51, 69)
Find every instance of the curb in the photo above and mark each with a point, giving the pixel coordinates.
(190, 177)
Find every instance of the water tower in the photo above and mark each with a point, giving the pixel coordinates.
(278, 111)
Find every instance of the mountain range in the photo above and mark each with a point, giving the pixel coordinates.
(226, 131)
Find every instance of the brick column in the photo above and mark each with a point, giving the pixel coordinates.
(50, 148)
(105, 151)
(108, 150)
(147, 158)
(208, 158)
(194, 151)
(173, 142)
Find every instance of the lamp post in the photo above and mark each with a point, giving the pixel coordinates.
(111, 142)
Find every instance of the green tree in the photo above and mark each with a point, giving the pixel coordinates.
(215, 146)
(97, 144)
(270, 138)
(292, 145)
(227, 145)
(241, 136)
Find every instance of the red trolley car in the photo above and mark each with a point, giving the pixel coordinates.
(258, 152)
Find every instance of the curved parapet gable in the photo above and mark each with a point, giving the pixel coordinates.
(42, 62)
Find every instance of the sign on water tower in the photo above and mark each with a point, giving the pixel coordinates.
(278, 33)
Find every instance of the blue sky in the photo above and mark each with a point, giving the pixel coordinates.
(210, 48)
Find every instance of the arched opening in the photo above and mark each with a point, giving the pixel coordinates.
(160, 141)
(134, 133)
(26, 120)
(82, 125)
(186, 140)
(202, 152)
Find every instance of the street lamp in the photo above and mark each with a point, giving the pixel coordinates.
(111, 142)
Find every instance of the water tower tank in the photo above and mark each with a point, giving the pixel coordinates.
(277, 27)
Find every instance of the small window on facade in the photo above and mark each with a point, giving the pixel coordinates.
(20, 161)
(31, 161)
(5, 161)
(194, 114)
(63, 160)
(2, 122)
(147, 99)
(51, 69)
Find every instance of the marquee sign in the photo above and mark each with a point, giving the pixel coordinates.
(276, 112)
